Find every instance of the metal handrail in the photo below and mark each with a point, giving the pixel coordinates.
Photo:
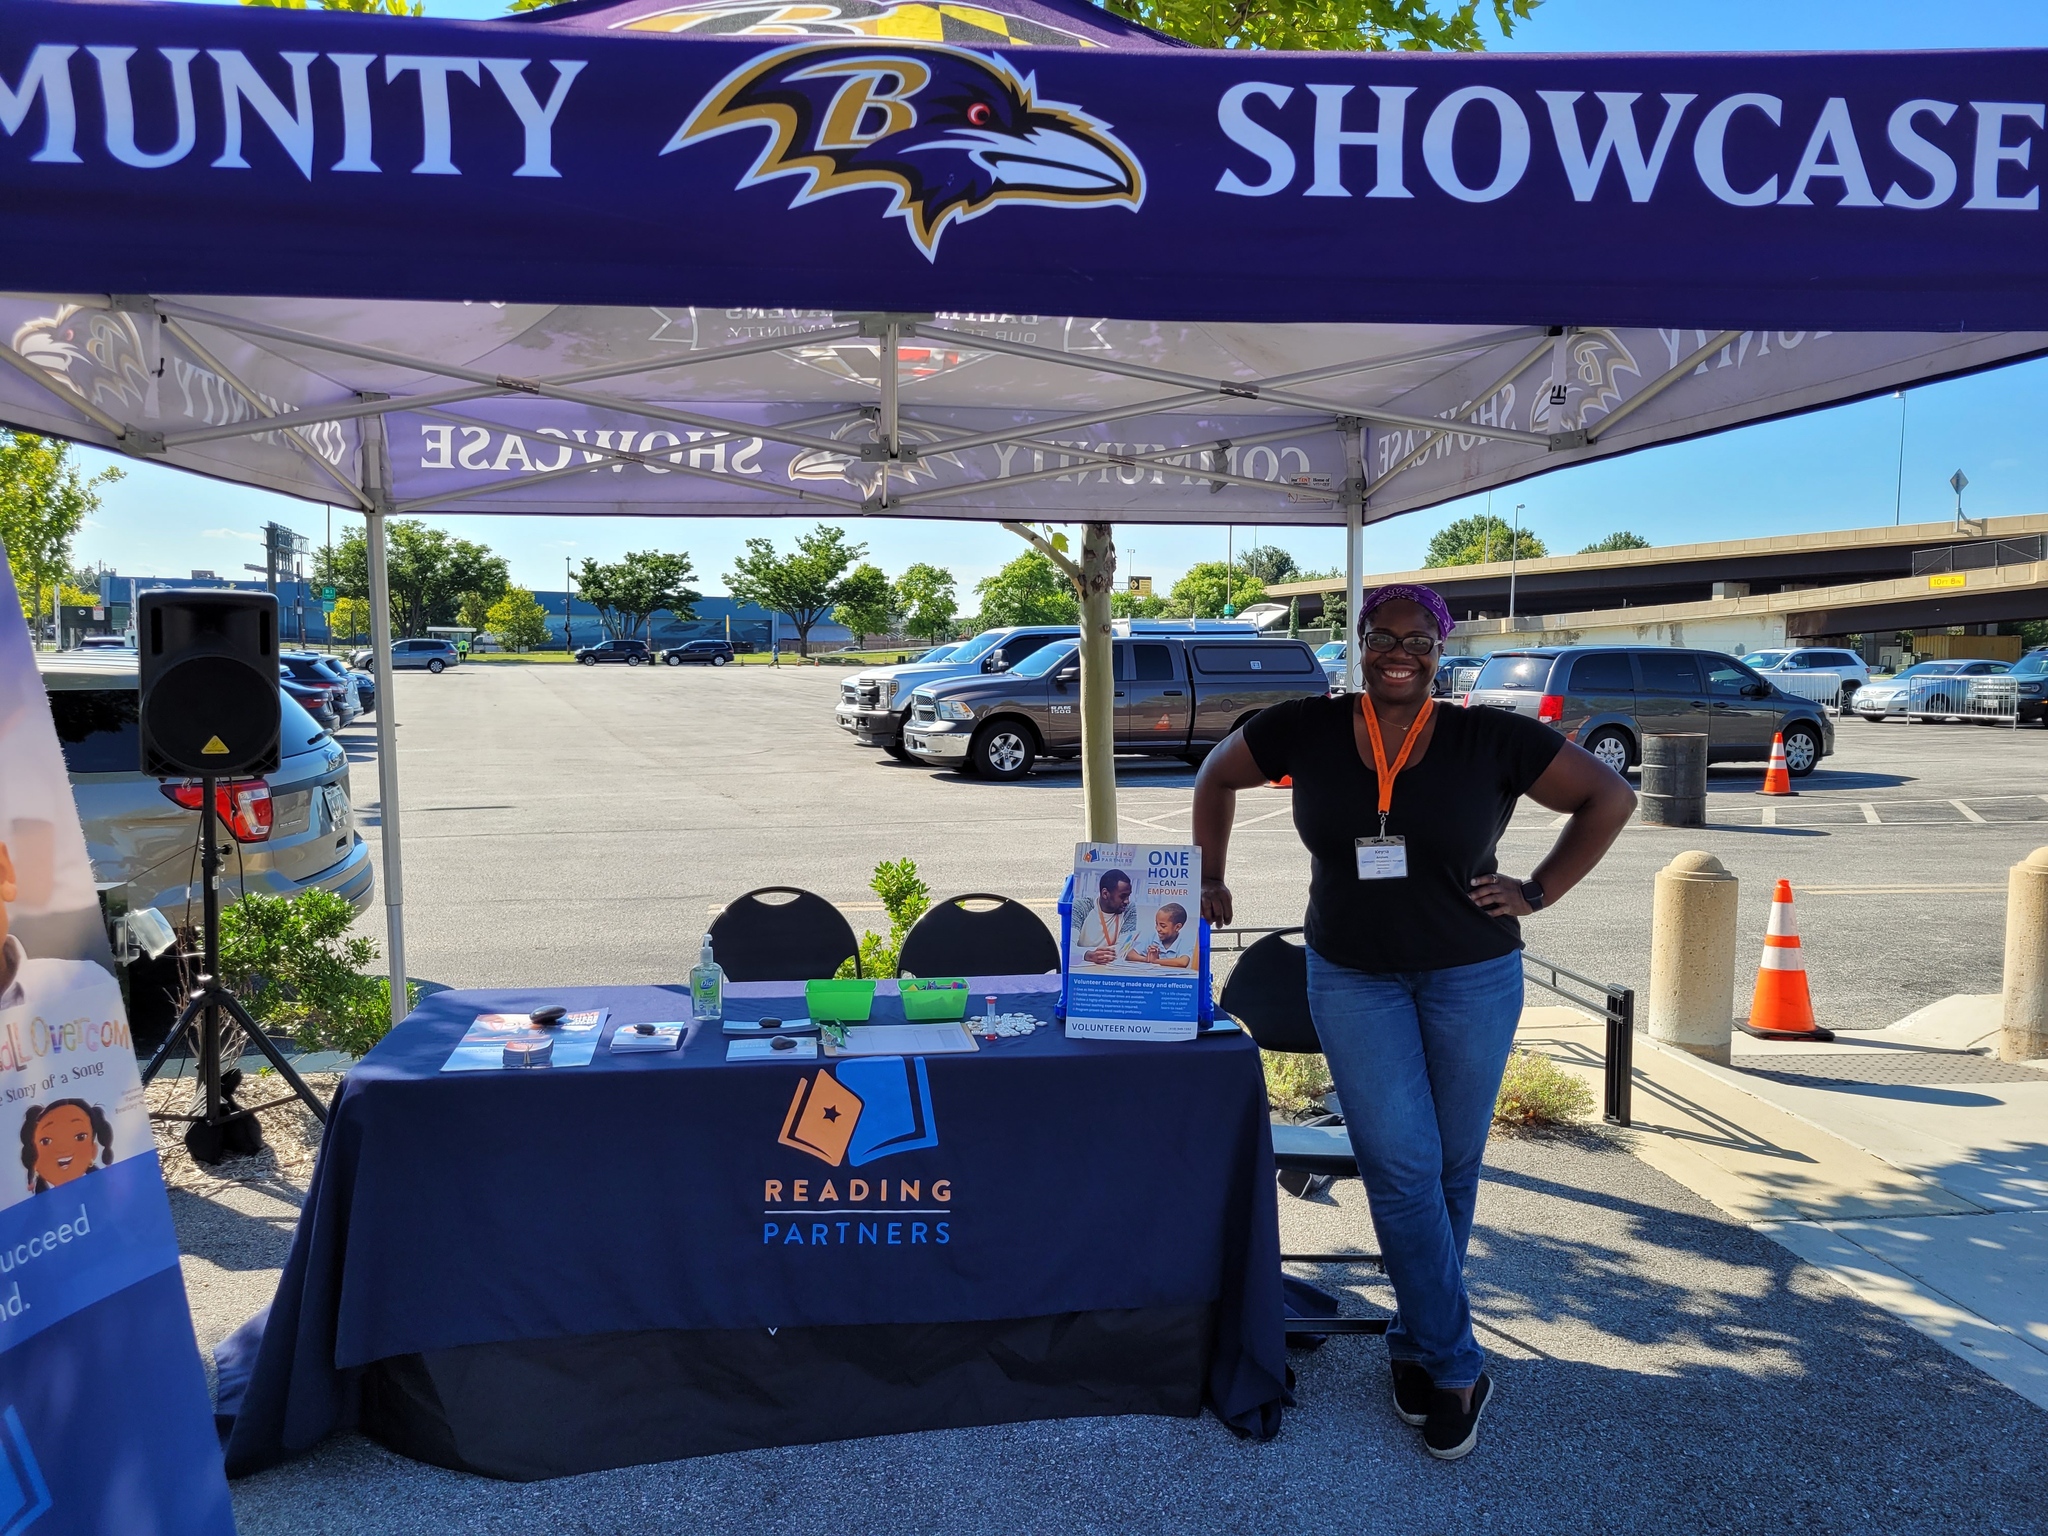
(1606, 1000)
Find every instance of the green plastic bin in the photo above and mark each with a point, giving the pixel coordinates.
(839, 1002)
(934, 997)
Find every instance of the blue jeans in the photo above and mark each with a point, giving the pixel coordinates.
(1417, 1058)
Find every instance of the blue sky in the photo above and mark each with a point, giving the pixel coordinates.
(1832, 469)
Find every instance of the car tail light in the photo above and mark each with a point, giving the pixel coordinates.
(243, 804)
(1550, 708)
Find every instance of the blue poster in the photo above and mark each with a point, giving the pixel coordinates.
(1134, 943)
(105, 1425)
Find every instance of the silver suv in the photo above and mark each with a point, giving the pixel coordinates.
(292, 829)
(1607, 698)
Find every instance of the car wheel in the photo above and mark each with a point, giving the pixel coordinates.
(1611, 747)
(586, 661)
(1802, 751)
(1003, 751)
(895, 748)
(719, 661)
(437, 665)
(632, 661)
(673, 660)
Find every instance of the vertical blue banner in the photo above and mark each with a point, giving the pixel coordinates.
(105, 1427)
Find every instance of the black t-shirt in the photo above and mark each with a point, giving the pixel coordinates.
(1451, 807)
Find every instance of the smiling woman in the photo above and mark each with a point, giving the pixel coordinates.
(1414, 970)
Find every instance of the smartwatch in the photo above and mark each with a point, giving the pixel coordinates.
(1532, 893)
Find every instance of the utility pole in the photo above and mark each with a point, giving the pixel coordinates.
(1899, 487)
(568, 615)
(1514, 560)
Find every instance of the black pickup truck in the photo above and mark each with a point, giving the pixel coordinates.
(1176, 696)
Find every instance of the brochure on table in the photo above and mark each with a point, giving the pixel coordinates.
(104, 1419)
(1133, 950)
(482, 1047)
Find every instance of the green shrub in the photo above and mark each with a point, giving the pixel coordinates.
(295, 967)
(1535, 1091)
(1295, 1083)
(905, 898)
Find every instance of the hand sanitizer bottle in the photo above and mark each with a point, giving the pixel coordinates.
(707, 987)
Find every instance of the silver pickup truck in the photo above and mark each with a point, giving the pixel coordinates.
(1176, 696)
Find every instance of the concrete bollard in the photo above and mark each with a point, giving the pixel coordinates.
(1692, 956)
(2025, 1033)
(1674, 780)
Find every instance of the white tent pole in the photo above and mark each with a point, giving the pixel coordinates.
(377, 478)
(1354, 550)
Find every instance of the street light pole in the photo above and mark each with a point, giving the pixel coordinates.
(568, 614)
(1899, 487)
(1514, 560)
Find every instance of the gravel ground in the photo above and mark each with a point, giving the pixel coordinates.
(1658, 1365)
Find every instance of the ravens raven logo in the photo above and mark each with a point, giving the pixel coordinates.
(948, 133)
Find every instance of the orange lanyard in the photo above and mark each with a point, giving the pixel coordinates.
(1379, 751)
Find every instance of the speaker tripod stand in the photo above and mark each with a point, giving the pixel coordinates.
(220, 1126)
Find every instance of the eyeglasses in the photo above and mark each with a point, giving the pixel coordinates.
(1383, 640)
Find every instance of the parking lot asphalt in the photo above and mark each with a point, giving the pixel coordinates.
(577, 825)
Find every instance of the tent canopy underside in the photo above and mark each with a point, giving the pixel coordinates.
(556, 411)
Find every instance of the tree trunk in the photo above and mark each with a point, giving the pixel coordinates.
(1098, 684)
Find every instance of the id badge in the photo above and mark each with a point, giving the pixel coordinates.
(1383, 858)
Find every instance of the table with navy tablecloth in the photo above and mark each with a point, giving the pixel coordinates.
(529, 1273)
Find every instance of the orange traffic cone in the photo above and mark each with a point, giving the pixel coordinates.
(1777, 777)
(1782, 1008)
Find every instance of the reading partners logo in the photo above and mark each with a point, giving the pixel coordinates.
(849, 1116)
(946, 133)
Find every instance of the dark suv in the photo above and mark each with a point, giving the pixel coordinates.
(633, 653)
(709, 653)
(1608, 697)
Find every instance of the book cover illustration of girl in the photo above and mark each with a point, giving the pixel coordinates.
(64, 1140)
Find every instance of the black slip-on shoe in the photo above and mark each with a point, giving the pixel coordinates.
(1452, 1430)
(1414, 1392)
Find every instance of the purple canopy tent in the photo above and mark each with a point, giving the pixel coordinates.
(919, 258)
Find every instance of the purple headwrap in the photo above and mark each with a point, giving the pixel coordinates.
(1401, 591)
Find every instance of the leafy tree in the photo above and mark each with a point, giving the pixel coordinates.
(805, 584)
(430, 572)
(1622, 540)
(350, 619)
(1268, 563)
(518, 620)
(867, 603)
(1377, 25)
(473, 610)
(44, 500)
(631, 590)
(1130, 605)
(1029, 590)
(1201, 593)
(1479, 538)
(924, 596)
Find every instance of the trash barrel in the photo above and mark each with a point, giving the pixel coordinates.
(1674, 780)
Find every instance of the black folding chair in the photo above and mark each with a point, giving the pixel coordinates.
(1268, 994)
(956, 939)
(801, 938)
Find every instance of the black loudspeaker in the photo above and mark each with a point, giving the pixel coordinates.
(209, 683)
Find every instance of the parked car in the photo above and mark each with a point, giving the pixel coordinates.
(1852, 669)
(1455, 676)
(874, 705)
(707, 653)
(2030, 674)
(1885, 698)
(320, 700)
(366, 688)
(106, 643)
(434, 655)
(1331, 654)
(316, 671)
(634, 653)
(1607, 698)
(290, 830)
(1177, 695)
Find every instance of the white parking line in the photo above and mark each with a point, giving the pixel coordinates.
(1255, 820)
(1968, 814)
(1770, 816)
(1870, 813)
